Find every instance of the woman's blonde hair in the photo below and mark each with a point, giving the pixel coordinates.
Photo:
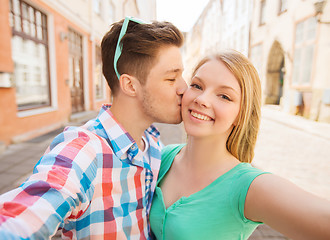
(242, 139)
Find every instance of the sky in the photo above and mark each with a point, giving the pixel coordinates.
(182, 13)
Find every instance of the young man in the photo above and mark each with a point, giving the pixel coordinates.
(97, 181)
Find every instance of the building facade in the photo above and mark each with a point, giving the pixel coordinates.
(290, 45)
(203, 37)
(223, 24)
(287, 41)
(50, 61)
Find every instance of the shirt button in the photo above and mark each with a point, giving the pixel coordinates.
(133, 147)
(148, 182)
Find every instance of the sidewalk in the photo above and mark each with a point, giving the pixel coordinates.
(18, 160)
(294, 148)
(319, 129)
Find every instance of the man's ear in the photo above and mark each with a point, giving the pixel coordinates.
(129, 84)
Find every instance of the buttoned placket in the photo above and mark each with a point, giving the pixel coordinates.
(144, 163)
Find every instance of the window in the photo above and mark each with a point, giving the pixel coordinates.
(262, 12)
(97, 6)
(30, 55)
(236, 6)
(234, 41)
(304, 51)
(256, 57)
(243, 6)
(242, 40)
(282, 6)
(111, 12)
(98, 76)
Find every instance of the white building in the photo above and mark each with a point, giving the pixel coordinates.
(287, 41)
(223, 24)
(236, 20)
(291, 50)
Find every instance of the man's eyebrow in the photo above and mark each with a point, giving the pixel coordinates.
(174, 70)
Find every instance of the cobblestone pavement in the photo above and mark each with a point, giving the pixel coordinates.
(296, 149)
(302, 157)
(289, 146)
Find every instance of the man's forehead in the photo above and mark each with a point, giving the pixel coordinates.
(168, 60)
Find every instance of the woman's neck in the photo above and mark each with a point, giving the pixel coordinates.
(205, 154)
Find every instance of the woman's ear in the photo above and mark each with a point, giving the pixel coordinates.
(129, 84)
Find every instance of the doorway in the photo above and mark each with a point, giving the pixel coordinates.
(275, 75)
(76, 72)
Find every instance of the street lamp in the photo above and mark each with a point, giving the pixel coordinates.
(319, 6)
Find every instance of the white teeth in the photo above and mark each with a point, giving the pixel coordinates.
(200, 116)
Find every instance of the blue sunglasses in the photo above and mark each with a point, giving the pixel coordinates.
(119, 46)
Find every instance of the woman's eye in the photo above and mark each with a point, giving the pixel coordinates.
(225, 97)
(194, 85)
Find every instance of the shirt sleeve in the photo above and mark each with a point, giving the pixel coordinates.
(240, 187)
(59, 190)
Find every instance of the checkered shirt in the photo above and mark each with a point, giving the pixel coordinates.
(89, 184)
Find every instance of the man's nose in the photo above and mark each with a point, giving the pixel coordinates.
(182, 86)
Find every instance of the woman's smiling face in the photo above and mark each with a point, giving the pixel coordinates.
(211, 104)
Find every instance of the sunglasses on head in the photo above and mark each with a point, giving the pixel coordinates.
(122, 33)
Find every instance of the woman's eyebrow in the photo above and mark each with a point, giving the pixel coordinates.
(201, 80)
(228, 87)
(220, 87)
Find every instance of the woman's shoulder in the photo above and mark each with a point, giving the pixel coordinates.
(170, 150)
(168, 154)
(247, 169)
(241, 182)
(242, 177)
(245, 173)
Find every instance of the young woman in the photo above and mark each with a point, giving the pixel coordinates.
(207, 188)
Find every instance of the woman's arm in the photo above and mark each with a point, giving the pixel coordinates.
(287, 208)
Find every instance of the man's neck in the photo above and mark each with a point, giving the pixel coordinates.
(129, 115)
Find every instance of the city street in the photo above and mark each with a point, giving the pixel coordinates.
(289, 146)
(296, 149)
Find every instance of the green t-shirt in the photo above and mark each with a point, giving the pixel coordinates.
(215, 212)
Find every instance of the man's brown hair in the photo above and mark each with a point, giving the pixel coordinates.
(140, 46)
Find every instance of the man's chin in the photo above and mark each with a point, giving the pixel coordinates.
(176, 120)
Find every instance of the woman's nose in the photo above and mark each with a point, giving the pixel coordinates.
(202, 100)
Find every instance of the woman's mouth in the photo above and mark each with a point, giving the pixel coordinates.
(200, 116)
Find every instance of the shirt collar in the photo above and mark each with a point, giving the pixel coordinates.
(120, 139)
(122, 142)
(153, 131)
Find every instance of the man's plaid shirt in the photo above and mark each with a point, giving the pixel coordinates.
(88, 184)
